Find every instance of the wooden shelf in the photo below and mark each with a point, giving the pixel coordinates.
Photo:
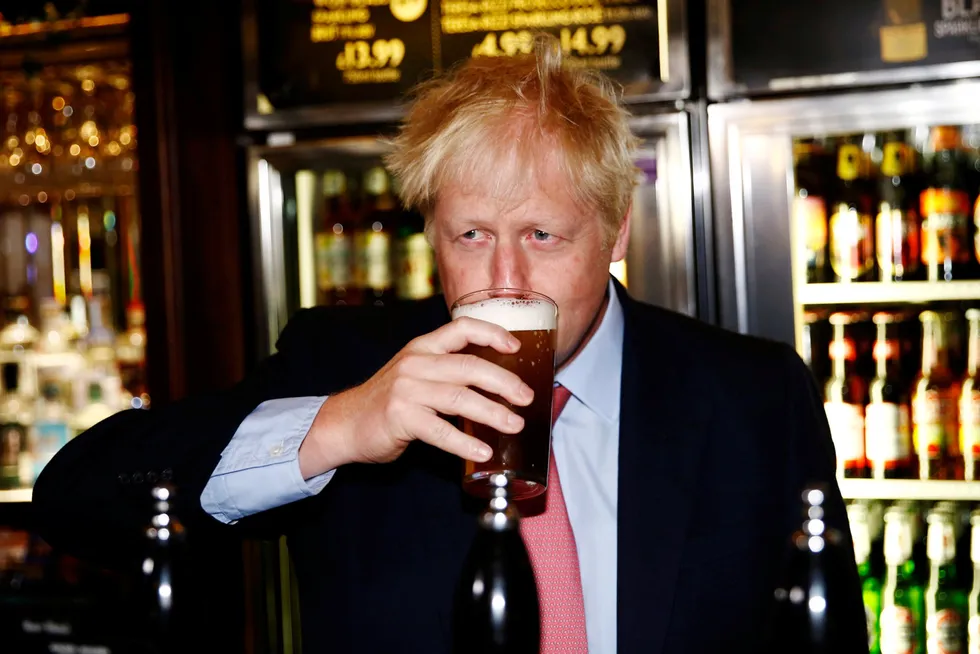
(888, 292)
(16, 495)
(909, 489)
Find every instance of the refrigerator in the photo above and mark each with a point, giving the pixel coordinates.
(844, 180)
(314, 153)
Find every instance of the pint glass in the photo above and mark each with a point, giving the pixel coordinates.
(522, 457)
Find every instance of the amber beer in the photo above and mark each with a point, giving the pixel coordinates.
(523, 457)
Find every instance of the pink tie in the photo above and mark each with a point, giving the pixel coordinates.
(551, 546)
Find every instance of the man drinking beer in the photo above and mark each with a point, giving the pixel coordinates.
(679, 451)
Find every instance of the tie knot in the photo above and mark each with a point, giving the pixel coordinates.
(558, 402)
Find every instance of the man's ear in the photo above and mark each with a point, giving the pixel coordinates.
(623, 237)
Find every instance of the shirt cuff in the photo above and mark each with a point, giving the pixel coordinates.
(259, 468)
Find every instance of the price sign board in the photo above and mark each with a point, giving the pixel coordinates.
(337, 53)
(849, 41)
(324, 52)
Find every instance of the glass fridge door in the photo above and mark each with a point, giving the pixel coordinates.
(328, 228)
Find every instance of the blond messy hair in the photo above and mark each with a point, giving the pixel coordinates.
(465, 127)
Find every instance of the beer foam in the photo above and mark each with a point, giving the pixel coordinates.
(512, 314)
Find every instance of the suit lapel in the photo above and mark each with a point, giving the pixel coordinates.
(662, 433)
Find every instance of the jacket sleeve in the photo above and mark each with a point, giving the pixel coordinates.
(813, 461)
(92, 499)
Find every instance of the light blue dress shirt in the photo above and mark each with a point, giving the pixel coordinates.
(259, 469)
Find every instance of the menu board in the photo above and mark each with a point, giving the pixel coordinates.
(316, 53)
(809, 40)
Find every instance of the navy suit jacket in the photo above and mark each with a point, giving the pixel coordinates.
(719, 434)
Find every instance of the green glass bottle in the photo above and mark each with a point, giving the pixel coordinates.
(902, 608)
(945, 597)
(858, 517)
(973, 629)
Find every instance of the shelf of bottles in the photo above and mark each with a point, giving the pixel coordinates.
(71, 337)
(356, 244)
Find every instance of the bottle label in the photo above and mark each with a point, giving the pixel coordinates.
(974, 635)
(851, 243)
(321, 249)
(49, 437)
(930, 414)
(897, 630)
(897, 242)
(943, 633)
(970, 424)
(945, 231)
(887, 433)
(415, 268)
(847, 429)
(377, 260)
(337, 259)
(12, 441)
(811, 215)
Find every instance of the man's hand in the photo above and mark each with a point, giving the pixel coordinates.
(375, 422)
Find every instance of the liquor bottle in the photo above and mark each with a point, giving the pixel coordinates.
(970, 401)
(858, 518)
(50, 431)
(372, 241)
(902, 604)
(15, 421)
(945, 208)
(845, 399)
(852, 247)
(162, 599)
(415, 264)
(934, 419)
(898, 229)
(945, 599)
(973, 602)
(810, 210)
(334, 242)
(131, 356)
(496, 604)
(811, 593)
(887, 421)
(93, 413)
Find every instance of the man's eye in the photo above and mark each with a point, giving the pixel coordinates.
(540, 235)
(470, 235)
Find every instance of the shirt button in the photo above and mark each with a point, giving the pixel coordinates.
(151, 477)
(276, 450)
(137, 477)
(167, 474)
(123, 478)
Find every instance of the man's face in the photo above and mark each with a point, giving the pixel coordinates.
(543, 241)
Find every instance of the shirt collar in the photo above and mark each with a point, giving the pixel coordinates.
(594, 376)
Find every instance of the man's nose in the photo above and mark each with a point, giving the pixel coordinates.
(509, 266)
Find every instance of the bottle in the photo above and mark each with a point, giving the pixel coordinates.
(93, 413)
(131, 356)
(811, 595)
(334, 242)
(970, 401)
(898, 229)
(945, 599)
(934, 419)
(810, 210)
(887, 421)
(845, 399)
(372, 241)
(902, 609)
(858, 518)
(415, 263)
(163, 570)
(496, 603)
(852, 248)
(50, 432)
(945, 207)
(973, 602)
(15, 421)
